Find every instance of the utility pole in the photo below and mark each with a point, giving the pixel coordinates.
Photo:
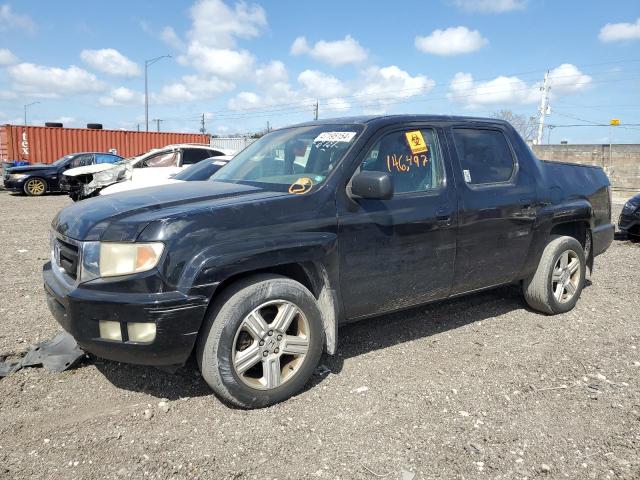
(147, 64)
(138, 127)
(203, 130)
(315, 110)
(544, 106)
(157, 120)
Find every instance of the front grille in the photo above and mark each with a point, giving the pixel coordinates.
(68, 257)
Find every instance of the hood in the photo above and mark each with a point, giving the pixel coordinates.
(100, 167)
(30, 168)
(134, 185)
(123, 216)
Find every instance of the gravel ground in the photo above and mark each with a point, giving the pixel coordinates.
(479, 387)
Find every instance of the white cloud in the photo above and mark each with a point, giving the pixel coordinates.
(271, 73)
(15, 21)
(223, 62)
(7, 95)
(491, 6)
(500, 90)
(210, 47)
(335, 53)
(452, 41)
(384, 86)
(245, 100)
(319, 84)
(620, 32)
(299, 46)
(7, 57)
(511, 90)
(111, 62)
(122, 96)
(192, 87)
(215, 24)
(39, 80)
(568, 78)
(375, 90)
(170, 37)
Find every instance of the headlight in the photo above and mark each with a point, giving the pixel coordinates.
(17, 176)
(127, 258)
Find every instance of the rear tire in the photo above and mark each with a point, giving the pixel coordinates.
(35, 187)
(261, 341)
(557, 283)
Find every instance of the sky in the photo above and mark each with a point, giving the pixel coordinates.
(243, 64)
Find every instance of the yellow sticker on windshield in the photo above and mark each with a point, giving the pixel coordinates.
(301, 185)
(416, 142)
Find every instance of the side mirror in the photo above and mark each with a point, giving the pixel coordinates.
(372, 185)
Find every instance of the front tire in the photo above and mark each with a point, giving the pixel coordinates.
(261, 341)
(557, 283)
(35, 187)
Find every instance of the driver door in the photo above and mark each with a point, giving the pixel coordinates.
(399, 252)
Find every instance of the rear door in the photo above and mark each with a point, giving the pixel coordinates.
(399, 252)
(496, 207)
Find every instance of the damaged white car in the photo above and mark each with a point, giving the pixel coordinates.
(157, 164)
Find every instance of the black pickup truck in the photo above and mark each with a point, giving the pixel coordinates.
(313, 226)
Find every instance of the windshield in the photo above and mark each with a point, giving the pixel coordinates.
(61, 160)
(200, 171)
(296, 160)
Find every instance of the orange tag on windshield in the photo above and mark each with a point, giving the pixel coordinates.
(416, 142)
(302, 185)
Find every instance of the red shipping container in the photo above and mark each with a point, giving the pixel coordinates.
(47, 144)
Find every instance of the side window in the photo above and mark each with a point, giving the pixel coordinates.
(164, 159)
(412, 157)
(106, 158)
(194, 155)
(485, 156)
(82, 160)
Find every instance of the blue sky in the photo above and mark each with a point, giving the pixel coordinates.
(245, 63)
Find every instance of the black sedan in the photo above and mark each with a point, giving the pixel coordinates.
(629, 221)
(36, 180)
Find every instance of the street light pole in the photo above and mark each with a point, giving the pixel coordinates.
(25, 111)
(147, 64)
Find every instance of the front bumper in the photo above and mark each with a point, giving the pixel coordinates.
(78, 310)
(15, 185)
(630, 223)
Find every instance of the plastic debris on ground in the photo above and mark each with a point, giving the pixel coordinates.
(57, 355)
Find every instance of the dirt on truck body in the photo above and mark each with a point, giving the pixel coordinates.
(314, 226)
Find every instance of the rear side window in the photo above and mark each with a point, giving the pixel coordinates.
(165, 159)
(411, 156)
(82, 160)
(485, 155)
(106, 158)
(194, 155)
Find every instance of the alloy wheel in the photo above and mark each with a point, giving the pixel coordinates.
(565, 277)
(270, 345)
(35, 187)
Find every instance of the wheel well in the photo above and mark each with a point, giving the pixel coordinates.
(302, 273)
(581, 232)
(577, 230)
(315, 278)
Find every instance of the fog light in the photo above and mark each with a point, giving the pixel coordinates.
(141, 332)
(110, 330)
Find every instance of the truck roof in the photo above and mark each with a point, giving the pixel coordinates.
(382, 120)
